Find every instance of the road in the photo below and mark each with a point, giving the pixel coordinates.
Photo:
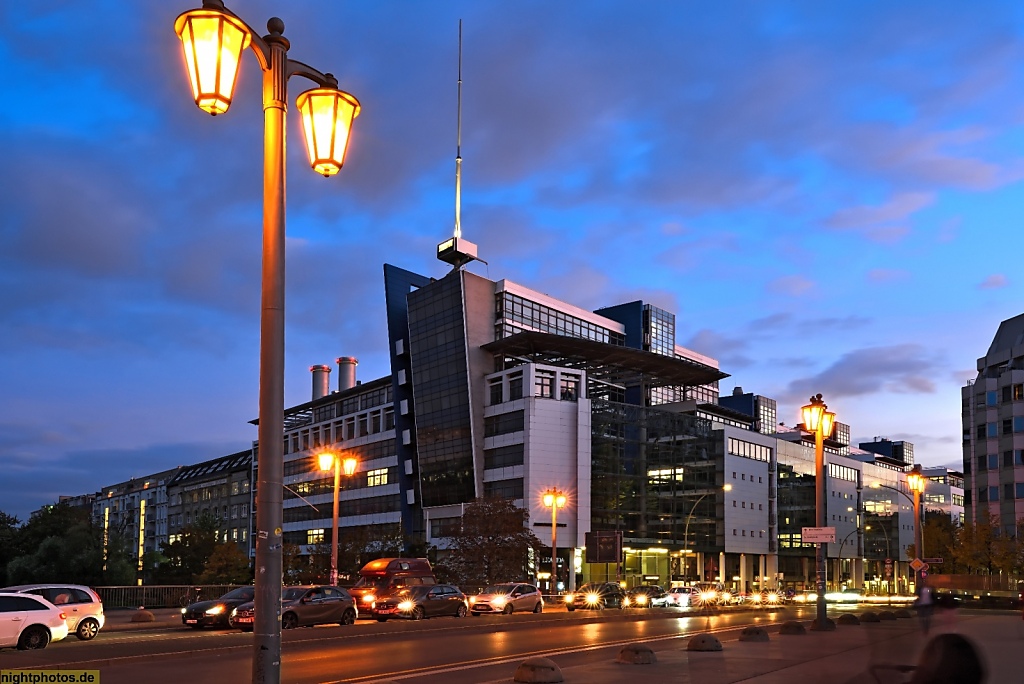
(445, 650)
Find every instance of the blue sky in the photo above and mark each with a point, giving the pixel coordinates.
(826, 194)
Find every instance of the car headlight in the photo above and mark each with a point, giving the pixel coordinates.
(472, 600)
(184, 610)
(625, 602)
(234, 612)
(499, 602)
(725, 595)
(773, 597)
(216, 610)
(569, 598)
(641, 599)
(405, 606)
(593, 599)
(369, 598)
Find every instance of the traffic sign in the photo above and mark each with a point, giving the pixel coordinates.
(918, 564)
(818, 535)
(932, 561)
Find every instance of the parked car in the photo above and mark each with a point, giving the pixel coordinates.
(421, 602)
(507, 599)
(216, 613)
(644, 596)
(303, 607)
(595, 596)
(82, 605)
(384, 576)
(30, 622)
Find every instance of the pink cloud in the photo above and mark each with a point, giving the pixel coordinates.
(793, 285)
(994, 282)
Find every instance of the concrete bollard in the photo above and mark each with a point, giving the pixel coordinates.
(704, 642)
(143, 616)
(902, 613)
(887, 615)
(848, 619)
(868, 616)
(792, 627)
(538, 671)
(754, 633)
(636, 654)
(828, 626)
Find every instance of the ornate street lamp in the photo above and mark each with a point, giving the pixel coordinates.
(327, 115)
(916, 483)
(554, 499)
(819, 420)
(328, 460)
(212, 39)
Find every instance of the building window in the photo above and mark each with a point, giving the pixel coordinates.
(375, 478)
(1018, 392)
(245, 510)
(506, 489)
(992, 432)
(569, 388)
(1018, 423)
(503, 457)
(234, 512)
(515, 386)
(315, 536)
(364, 426)
(234, 487)
(993, 493)
(444, 527)
(982, 462)
(504, 423)
(496, 391)
(1020, 490)
(991, 398)
(544, 384)
(993, 461)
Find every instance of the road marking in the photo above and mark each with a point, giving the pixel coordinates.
(503, 660)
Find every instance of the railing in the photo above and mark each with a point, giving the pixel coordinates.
(161, 596)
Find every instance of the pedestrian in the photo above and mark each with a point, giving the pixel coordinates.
(925, 606)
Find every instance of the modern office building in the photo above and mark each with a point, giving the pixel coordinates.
(220, 489)
(993, 430)
(944, 492)
(900, 454)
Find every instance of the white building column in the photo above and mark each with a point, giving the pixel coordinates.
(744, 575)
(721, 567)
(772, 568)
(700, 565)
(762, 581)
(858, 573)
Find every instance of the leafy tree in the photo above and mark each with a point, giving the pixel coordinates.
(974, 548)
(226, 565)
(9, 525)
(939, 533)
(492, 545)
(187, 556)
(58, 543)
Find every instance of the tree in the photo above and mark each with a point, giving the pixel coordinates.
(187, 556)
(8, 539)
(493, 544)
(58, 543)
(226, 565)
(939, 533)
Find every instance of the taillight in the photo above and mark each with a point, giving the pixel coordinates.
(63, 616)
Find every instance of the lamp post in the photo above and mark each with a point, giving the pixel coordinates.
(819, 420)
(916, 484)
(328, 460)
(915, 481)
(554, 499)
(212, 40)
(686, 528)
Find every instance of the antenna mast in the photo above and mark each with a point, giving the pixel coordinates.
(458, 150)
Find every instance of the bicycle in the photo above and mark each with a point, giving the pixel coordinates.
(194, 595)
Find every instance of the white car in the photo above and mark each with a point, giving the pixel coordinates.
(83, 606)
(681, 597)
(30, 622)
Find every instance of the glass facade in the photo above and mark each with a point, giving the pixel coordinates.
(437, 344)
(516, 314)
(654, 476)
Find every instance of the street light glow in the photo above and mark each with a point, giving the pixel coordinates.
(212, 42)
(325, 459)
(327, 115)
(348, 465)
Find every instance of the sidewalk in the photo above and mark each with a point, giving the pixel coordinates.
(844, 656)
(119, 620)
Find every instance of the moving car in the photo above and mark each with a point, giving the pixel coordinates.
(507, 599)
(215, 613)
(644, 596)
(595, 596)
(82, 605)
(30, 622)
(303, 607)
(421, 602)
(384, 576)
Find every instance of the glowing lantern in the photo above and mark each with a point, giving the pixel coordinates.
(327, 115)
(212, 42)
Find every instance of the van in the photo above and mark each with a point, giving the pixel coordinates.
(385, 575)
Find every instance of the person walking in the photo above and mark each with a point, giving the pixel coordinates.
(925, 607)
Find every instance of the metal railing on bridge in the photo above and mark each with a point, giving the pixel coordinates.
(160, 596)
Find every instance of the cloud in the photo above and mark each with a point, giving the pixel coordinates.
(902, 369)
(728, 350)
(887, 275)
(791, 285)
(994, 282)
(898, 208)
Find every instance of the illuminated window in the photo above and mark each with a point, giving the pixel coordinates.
(375, 478)
(315, 536)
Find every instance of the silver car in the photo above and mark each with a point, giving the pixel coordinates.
(83, 606)
(506, 599)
